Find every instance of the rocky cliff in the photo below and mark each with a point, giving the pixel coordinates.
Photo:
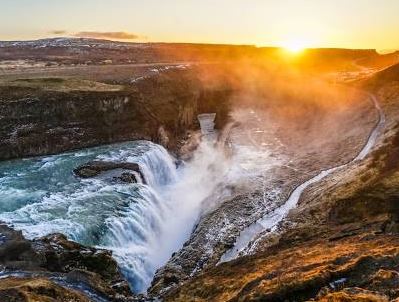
(51, 115)
(339, 244)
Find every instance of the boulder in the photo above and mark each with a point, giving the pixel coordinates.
(51, 258)
(96, 168)
(63, 255)
(16, 252)
(126, 178)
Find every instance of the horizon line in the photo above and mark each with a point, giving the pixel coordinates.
(131, 41)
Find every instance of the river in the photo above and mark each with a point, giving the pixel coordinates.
(248, 239)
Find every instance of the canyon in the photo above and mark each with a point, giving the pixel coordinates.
(110, 191)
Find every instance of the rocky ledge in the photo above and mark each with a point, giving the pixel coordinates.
(120, 171)
(53, 268)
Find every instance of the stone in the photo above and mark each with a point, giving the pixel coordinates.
(54, 256)
(95, 168)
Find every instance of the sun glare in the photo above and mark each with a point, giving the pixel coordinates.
(294, 47)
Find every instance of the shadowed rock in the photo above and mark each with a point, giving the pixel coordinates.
(39, 263)
(96, 168)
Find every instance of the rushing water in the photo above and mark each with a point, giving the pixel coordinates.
(143, 224)
(42, 196)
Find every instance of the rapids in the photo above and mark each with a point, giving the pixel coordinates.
(41, 196)
(142, 224)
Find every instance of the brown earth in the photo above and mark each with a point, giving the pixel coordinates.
(299, 273)
(37, 290)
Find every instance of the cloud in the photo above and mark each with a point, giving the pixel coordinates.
(58, 32)
(114, 35)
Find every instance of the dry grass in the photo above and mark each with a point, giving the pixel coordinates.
(61, 84)
(354, 295)
(37, 290)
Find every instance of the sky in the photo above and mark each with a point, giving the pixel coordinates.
(311, 23)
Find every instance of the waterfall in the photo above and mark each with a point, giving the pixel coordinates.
(134, 234)
(143, 223)
(128, 219)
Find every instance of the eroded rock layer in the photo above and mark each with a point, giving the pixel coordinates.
(51, 115)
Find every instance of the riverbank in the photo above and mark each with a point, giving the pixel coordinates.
(51, 268)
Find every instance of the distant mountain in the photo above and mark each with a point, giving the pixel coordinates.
(387, 51)
(69, 42)
(72, 51)
(88, 51)
(67, 51)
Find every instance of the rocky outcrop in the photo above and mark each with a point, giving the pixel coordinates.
(383, 78)
(96, 168)
(307, 271)
(53, 117)
(339, 246)
(52, 267)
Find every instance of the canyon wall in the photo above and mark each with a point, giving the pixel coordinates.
(49, 118)
(339, 244)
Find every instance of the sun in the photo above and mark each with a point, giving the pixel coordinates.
(294, 46)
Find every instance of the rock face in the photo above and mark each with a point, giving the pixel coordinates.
(50, 117)
(315, 270)
(339, 244)
(318, 143)
(53, 268)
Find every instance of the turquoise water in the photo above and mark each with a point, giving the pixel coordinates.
(142, 224)
(42, 195)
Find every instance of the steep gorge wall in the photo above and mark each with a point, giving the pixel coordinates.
(161, 108)
(339, 244)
